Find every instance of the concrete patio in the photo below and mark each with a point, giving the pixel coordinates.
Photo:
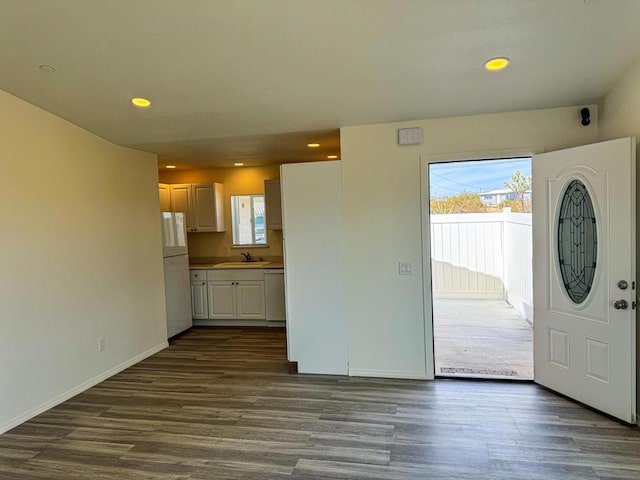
(482, 339)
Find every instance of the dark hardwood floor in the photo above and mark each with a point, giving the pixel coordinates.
(220, 404)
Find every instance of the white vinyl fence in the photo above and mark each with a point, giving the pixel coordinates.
(483, 255)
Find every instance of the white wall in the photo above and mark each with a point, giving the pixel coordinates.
(80, 257)
(620, 108)
(314, 255)
(621, 118)
(382, 221)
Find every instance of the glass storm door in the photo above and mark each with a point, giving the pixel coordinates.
(584, 274)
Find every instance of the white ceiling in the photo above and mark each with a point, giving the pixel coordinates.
(260, 78)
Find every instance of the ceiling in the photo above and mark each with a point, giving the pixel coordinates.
(256, 80)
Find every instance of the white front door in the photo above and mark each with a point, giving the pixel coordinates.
(584, 274)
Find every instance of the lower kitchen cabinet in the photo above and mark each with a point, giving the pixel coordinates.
(242, 300)
(238, 296)
(250, 300)
(199, 304)
(234, 294)
(222, 299)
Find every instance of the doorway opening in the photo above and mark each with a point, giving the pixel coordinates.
(481, 268)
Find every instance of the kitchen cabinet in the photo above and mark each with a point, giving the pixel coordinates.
(236, 295)
(242, 300)
(222, 299)
(273, 204)
(181, 198)
(165, 197)
(199, 302)
(250, 300)
(203, 205)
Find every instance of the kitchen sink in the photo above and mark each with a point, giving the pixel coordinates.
(240, 264)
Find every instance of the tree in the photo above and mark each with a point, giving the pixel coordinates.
(520, 185)
(464, 202)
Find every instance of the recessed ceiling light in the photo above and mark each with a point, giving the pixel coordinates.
(47, 68)
(169, 166)
(313, 145)
(141, 102)
(498, 63)
(238, 164)
(332, 156)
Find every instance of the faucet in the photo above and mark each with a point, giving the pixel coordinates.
(247, 256)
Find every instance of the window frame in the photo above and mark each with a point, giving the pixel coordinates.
(235, 223)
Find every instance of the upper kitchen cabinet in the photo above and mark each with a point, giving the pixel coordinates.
(273, 204)
(202, 203)
(165, 197)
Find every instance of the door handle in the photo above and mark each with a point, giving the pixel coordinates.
(620, 304)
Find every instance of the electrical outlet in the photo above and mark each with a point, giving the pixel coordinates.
(102, 344)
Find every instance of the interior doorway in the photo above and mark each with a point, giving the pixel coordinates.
(481, 268)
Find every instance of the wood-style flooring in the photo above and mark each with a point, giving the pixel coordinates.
(220, 404)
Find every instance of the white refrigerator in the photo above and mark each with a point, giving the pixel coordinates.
(176, 273)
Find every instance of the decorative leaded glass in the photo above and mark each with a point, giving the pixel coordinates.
(577, 241)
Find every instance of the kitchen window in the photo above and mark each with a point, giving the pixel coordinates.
(247, 215)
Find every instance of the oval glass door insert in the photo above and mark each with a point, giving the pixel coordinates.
(577, 241)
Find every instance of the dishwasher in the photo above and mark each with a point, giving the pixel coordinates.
(274, 296)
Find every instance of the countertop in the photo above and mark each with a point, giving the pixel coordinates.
(203, 266)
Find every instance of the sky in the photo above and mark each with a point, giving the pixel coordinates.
(451, 178)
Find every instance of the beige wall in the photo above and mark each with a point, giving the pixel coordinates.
(382, 221)
(80, 257)
(620, 117)
(237, 181)
(620, 108)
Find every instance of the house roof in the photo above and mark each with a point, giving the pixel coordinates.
(500, 191)
(257, 80)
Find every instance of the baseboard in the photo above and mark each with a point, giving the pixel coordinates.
(229, 323)
(320, 371)
(276, 323)
(358, 372)
(43, 407)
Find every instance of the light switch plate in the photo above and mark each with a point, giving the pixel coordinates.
(404, 268)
